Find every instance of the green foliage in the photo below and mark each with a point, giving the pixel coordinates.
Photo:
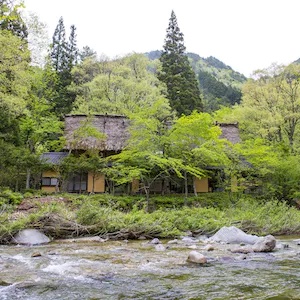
(122, 86)
(177, 74)
(11, 20)
(216, 93)
(220, 85)
(270, 107)
(8, 197)
(14, 82)
(64, 55)
(102, 214)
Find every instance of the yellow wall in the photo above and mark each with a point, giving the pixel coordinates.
(49, 189)
(99, 183)
(50, 173)
(135, 185)
(201, 185)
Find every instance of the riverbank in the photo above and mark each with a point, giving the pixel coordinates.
(124, 217)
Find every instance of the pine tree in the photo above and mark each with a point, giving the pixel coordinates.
(64, 56)
(59, 47)
(72, 50)
(182, 86)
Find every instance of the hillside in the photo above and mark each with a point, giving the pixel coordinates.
(219, 83)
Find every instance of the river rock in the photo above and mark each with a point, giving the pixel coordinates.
(266, 244)
(155, 241)
(209, 247)
(233, 235)
(36, 254)
(30, 237)
(297, 242)
(160, 247)
(243, 249)
(196, 257)
(172, 242)
(193, 247)
(189, 240)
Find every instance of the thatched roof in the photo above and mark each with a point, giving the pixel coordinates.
(112, 132)
(230, 132)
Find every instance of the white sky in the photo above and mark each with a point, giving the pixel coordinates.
(244, 34)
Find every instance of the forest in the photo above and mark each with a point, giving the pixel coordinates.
(172, 99)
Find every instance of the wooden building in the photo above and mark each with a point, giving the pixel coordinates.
(108, 136)
(103, 133)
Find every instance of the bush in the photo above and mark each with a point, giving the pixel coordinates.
(8, 197)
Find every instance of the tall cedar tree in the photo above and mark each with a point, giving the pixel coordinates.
(182, 86)
(59, 47)
(64, 56)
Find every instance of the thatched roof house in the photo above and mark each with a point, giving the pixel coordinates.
(111, 132)
(230, 132)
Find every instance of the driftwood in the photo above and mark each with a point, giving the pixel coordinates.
(58, 227)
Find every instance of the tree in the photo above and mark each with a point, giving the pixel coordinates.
(176, 72)
(195, 140)
(11, 20)
(87, 52)
(121, 86)
(14, 83)
(59, 47)
(38, 41)
(64, 56)
(270, 106)
(72, 51)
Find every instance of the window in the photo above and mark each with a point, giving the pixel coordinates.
(78, 183)
(49, 181)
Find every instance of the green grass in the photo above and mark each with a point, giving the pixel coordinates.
(205, 214)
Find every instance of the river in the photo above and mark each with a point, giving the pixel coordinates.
(135, 270)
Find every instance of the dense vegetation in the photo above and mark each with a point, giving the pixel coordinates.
(125, 217)
(170, 136)
(219, 84)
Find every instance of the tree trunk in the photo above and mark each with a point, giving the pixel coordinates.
(194, 187)
(28, 174)
(185, 188)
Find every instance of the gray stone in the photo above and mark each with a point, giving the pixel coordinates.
(30, 237)
(244, 250)
(297, 242)
(189, 240)
(266, 244)
(209, 247)
(172, 242)
(193, 247)
(160, 247)
(196, 257)
(233, 235)
(155, 241)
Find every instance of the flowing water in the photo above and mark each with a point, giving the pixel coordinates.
(135, 270)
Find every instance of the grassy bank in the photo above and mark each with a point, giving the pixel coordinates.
(70, 215)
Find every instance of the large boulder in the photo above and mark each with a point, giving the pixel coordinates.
(30, 237)
(196, 257)
(233, 235)
(265, 244)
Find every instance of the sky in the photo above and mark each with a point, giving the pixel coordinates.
(245, 34)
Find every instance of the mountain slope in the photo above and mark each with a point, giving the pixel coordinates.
(219, 83)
